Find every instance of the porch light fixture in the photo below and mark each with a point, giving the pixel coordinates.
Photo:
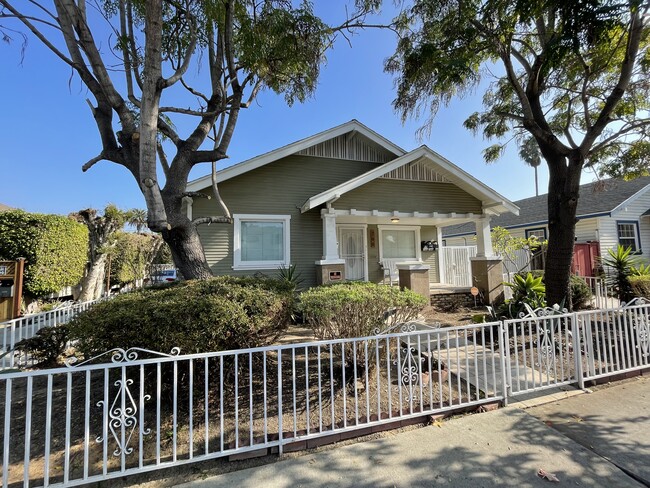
(394, 220)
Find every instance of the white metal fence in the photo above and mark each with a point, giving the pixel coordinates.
(14, 331)
(141, 411)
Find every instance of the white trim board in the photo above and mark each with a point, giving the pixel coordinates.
(238, 264)
(295, 147)
(490, 198)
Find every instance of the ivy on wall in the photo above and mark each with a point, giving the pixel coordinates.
(55, 249)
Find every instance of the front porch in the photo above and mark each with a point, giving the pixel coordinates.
(402, 249)
(392, 216)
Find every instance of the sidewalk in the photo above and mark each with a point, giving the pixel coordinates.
(506, 447)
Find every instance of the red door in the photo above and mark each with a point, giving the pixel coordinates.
(585, 258)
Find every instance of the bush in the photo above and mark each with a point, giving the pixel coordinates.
(55, 249)
(640, 285)
(196, 316)
(580, 291)
(47, 345)
(356, 309)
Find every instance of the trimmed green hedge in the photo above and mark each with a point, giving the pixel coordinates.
(356, 309)
(55, 249)
(196, 316)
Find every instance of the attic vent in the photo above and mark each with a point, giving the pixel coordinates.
(416, 172)
(350, 146)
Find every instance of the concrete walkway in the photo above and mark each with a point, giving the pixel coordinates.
(568, 438)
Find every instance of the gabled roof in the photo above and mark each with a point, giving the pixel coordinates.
(596, 199)
(295, 147)
(490, 198)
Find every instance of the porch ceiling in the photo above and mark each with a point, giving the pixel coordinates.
(405, 218)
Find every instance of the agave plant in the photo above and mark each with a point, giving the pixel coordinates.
(640, 270)
(529, 289)
(621, 263)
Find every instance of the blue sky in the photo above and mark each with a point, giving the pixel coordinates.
(47, 132)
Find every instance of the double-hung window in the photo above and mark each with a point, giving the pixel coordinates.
(628, 235)
(261, 241)
(539, 232)
(399, 242)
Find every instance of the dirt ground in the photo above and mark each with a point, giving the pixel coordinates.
(462, 316)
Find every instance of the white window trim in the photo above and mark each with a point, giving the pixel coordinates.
(382, 228)
(238, 263)
(635, 228)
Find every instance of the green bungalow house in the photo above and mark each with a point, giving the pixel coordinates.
(346, 204)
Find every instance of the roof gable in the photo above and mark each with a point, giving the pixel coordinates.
(351, 140)
(439, 166)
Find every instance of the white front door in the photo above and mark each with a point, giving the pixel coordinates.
(352, 248)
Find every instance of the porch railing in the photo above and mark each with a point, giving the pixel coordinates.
(141, 411)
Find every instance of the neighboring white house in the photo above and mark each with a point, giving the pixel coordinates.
(610, 212)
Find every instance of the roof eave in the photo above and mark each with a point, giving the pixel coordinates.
(294, 147)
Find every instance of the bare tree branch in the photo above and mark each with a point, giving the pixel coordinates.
(92, 162)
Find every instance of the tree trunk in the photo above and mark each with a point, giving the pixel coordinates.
(91, 285)
(187, 251)
(563, 192)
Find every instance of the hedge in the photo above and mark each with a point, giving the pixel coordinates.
(196, 316)
(55, 249)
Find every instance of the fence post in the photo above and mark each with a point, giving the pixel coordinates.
(577, 355)
(505, 360)
(280, 402)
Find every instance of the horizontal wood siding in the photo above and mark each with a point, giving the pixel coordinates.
(608, 234)
(375, 272)
(430, 233)
(279, 188)
(587, 230)
(634, 211)
(409, 196)
(468, 240)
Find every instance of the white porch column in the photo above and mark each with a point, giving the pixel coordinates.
(330, 240)
(483, 238)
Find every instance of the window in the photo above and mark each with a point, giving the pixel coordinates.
(628, 235)
(261, 241)
(540, 233)
(399, 242)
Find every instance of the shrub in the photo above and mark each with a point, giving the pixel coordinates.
(621, 262)
(580, 292)
(640, 285)
(356, 309)
(196, 316)
(47, 345)
(55, 249)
